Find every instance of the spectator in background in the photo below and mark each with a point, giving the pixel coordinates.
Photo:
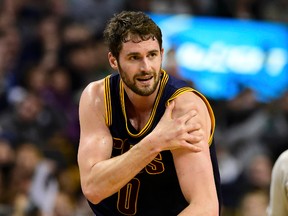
(40, 49)
(93, 14)
(81, 59)
(253, 203)
(253, 176)
(9, 50)
(257, 172)
(29, 119)
(39, 186)
(73, 32)
(276, 11)
(171, 6)
(54, 87)
(241, 147)
(170, 63)
(240, 9)
(7, 158)
(36, 80)
(140, 5)
(49, 41)
(35, 187)
(275, 134)
(243, 124)
(63, 101)
(248, 9)
(3, 73)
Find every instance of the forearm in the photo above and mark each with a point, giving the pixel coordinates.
(109, 176)
(196, 179)
(207, 205)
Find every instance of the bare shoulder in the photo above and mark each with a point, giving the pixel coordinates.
(190, 100)
(92, 96)
(93, 90)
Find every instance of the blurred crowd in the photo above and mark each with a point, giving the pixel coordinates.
(51, 49)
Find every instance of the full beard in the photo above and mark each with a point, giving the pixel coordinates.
(142, 90)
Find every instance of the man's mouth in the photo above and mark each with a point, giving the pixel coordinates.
(145, 79)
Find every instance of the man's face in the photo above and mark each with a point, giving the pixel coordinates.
(139, 66)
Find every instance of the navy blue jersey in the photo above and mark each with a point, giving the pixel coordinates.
(155, 190)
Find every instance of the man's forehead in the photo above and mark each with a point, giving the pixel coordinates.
(136, 38)
(139, 47)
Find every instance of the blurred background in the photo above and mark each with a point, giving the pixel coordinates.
(233, 51)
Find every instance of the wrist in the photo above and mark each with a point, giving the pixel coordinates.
(151, 144)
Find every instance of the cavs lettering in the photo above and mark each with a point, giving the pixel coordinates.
(128, 195)
(154, 167)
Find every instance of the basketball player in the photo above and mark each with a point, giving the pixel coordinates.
(146, 138)
(278, 205)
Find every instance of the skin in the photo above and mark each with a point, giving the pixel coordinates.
(184, 129)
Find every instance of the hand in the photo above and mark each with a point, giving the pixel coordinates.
(179, 132)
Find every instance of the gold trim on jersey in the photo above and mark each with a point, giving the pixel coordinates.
(163, 83)
(164, 80)
(211, 113)
(107, 101)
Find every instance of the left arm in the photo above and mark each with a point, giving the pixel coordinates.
(194, 170)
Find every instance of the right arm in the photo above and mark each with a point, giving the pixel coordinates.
(101, 176)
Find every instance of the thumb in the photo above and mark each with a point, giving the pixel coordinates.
(169, 109)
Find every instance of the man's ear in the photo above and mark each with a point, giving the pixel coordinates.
(113, 61)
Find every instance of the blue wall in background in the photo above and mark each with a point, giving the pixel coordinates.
(223, 56)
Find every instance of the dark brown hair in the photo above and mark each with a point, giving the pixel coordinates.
(130, 25)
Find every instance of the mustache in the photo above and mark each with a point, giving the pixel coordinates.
(145, 73)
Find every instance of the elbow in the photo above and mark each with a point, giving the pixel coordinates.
(210, 210)
(92, 193)
(207, 208)
(213, 209)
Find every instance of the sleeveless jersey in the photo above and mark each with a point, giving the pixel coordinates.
(155, 190)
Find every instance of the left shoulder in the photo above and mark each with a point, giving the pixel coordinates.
(191, 100)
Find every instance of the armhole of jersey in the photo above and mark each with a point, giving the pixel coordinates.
(107, 100)
(211, 113)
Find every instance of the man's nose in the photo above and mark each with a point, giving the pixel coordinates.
(145, 64)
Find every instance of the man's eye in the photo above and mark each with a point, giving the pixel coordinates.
(134, 57)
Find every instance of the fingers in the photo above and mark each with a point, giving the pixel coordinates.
(185, 118)
(192, 127)
(169, 109)
(195, 136)
(183, 131)
(193, 140)
(194, 148)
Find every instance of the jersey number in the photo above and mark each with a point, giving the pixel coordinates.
(128, 196)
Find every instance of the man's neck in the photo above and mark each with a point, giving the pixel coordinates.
(138, 108)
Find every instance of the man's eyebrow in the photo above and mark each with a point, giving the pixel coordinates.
(137, 53)
(133, 53)
(154, 51)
